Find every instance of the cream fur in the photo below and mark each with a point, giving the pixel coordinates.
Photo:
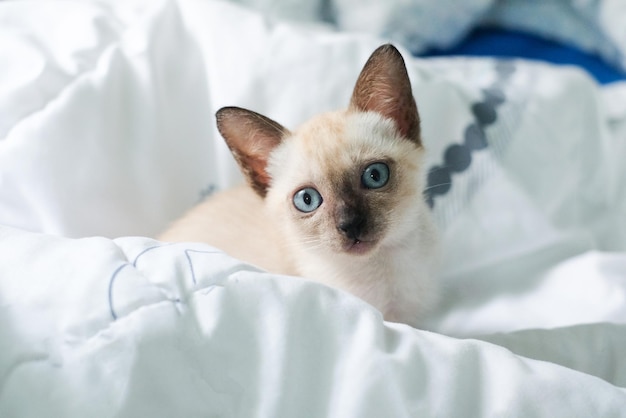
(394, 276)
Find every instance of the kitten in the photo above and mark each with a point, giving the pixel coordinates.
(339, 201)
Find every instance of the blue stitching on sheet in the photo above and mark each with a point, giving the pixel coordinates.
(193, 273)
(117, 270)
(120, 268)
(134, 264)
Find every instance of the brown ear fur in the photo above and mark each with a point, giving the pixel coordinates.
(251, 138)
(384, 87)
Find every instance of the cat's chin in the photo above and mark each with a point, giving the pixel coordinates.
(358, 247)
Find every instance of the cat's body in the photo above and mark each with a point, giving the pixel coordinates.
(338, 201)
(237, 222)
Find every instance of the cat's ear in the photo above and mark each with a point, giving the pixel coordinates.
(251, 138)
(384, 87)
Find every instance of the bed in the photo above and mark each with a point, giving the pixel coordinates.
(107, 135)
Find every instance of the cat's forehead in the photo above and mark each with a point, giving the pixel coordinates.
(339, 140)
(333, 148)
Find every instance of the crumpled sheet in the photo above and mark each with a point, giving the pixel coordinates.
(106, 127)
(593, 26)
(133, 327)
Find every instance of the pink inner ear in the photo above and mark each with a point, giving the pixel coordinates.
(251, 138)
(255, 171)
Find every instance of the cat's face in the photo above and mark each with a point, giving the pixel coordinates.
(346, 183)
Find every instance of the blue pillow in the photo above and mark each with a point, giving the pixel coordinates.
(514, 44)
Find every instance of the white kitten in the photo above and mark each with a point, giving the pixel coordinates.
(339, 201)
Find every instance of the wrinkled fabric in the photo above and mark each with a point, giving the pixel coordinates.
(132, 327)
(420, 25)
(107, 131)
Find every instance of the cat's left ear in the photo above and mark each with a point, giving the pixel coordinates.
(384, 87)
(251, 138)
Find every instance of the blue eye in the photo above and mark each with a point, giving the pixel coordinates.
(307, 200)
(375, 176)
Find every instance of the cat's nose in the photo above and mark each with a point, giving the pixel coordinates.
(352, 227)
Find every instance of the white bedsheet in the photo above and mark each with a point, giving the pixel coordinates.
(133, 328)
(106, 129)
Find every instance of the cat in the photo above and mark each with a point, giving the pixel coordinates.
(339, 201)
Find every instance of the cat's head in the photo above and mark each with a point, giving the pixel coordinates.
(345, 182)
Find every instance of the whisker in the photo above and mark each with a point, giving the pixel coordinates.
(437, 185)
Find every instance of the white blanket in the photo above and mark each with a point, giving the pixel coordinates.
(106, 129)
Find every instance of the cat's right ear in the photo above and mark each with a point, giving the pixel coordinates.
(251, 138)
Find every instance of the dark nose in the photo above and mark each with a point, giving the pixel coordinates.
(351, 225)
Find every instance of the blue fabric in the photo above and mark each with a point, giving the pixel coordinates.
(511, 44)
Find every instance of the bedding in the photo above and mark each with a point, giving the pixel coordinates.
(107, 134)
(505, 43)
